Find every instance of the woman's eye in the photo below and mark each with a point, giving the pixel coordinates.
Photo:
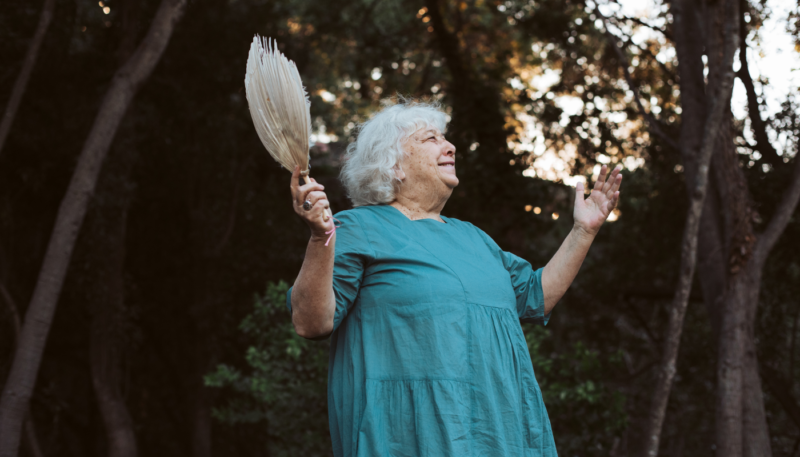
(432, 138)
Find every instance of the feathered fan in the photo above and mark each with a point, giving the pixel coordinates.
(279, 105)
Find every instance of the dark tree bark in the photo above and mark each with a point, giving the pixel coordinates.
(101, 249)
(31, 439)
(744, 426)
(124, 86)
(755, 438)
(733, 257)
(25, 74)
(730, 255)
(105, 294)
(201, 401)
(719, 104)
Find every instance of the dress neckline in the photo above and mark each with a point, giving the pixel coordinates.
(400, 213)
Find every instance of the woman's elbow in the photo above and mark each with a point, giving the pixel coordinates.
(310, 320)
(312, 331)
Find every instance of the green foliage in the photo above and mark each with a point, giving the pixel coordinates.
(586, 413)
(282, 385)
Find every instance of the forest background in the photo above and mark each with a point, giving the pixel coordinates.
(130, 169)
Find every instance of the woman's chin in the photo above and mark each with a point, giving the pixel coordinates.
(451, 181)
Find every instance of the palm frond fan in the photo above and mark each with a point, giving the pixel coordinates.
(279, 105)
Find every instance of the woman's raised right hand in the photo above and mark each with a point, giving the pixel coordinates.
(317, 219)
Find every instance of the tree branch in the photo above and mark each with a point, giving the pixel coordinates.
(763, 145)
(31, 437)
(720, 99)
(636, 20)
(649, 26)
(13, 309)
(629, 42)
(652, 122)
(25, 74)
(781, 218)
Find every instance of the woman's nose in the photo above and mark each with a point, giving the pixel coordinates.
(450, 149)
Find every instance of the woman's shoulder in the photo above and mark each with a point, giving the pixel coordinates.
(464, 225)
(361, 225)
(470, 229)
(362, 215)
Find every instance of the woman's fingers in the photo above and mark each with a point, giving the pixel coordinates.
(295, 183)
(315, 196)
(322, 204)
(611, 180)
(580, 196)
(312, 192)
(612, 202)
(613, 184)
(305, 190)
(318, 213)
(601, 179)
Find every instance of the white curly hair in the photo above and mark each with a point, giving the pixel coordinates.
(371, 161)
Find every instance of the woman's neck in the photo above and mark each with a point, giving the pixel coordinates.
(416, 210)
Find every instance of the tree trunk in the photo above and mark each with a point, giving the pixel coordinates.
(201, 404)
(105, 291)
(25, 74)
(711, 262)
(719, 104)
(729, 371)
(126, 82)
(755, 436)
(730, 275)
(31, 440)
(102, 250)
(741, 418)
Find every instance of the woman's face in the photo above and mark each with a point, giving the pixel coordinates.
(429, 166)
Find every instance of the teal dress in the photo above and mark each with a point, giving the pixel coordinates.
(427, 354)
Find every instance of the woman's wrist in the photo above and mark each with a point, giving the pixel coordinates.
(321, 239)
(583, 233)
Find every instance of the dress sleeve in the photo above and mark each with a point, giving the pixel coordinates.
(526, 281)
(352, 254)
(527, 284)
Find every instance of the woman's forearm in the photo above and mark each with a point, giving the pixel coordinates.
(561, 270)
(313, 303)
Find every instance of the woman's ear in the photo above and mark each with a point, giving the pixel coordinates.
(399, 173)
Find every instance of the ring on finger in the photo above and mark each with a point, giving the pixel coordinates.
(307, 205)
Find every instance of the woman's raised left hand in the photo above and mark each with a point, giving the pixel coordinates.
(590, 212)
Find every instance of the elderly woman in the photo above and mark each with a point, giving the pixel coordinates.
(427, 354)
